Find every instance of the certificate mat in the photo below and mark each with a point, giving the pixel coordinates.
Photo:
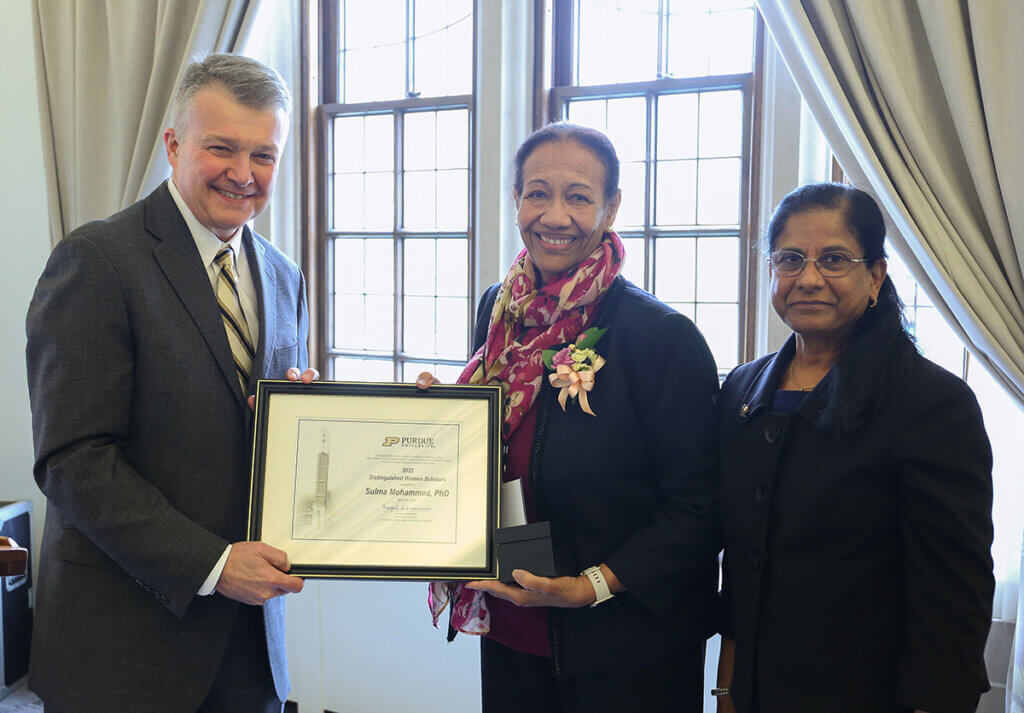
(383, 481)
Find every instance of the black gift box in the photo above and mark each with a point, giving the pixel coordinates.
(525, 547)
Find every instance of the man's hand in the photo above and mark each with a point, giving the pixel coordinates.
(425, 380)
(534, 591)
(255, 572)
(306, 377)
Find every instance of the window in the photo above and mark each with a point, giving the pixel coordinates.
(397, 186)
(677, 101)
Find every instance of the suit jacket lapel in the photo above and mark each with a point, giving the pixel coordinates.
(265, 279)
(179, 259)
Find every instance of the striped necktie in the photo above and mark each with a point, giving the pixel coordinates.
(234, 318)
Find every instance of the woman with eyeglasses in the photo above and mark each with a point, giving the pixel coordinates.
(856, 491)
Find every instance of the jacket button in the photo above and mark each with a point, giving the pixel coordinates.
(744, 410)
(771, 434)
(760, 496)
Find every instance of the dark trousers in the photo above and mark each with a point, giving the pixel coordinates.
(513, 682)
(243, 683)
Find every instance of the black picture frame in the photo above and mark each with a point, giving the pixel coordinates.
(466, 421)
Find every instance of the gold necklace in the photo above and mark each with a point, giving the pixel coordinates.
(792, 377)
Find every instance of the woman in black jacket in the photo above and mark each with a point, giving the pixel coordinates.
(605, 432)
(856, 491)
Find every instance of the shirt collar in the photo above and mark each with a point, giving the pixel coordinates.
(207, 243)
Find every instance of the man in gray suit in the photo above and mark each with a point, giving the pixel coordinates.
(146, 334)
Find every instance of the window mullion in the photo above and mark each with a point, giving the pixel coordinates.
(397, 241)
(662, 43)
(410, 48)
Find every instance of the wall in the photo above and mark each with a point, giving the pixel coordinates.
(25, 241)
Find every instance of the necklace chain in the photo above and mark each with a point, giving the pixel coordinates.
(792, 377)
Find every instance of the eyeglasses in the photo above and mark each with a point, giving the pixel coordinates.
(788, 263)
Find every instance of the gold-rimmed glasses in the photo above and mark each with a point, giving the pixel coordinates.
(789, 263)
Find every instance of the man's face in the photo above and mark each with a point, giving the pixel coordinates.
(225, 164)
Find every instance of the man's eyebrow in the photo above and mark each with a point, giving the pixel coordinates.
(231, 143)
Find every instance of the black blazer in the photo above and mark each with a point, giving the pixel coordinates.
(629, 487)
(857, 569)
(142, 445)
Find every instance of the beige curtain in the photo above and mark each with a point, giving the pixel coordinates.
(107, 70)
(921, 102)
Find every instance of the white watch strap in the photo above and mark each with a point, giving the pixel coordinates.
(596, 577)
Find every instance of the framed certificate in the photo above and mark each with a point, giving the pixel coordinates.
(378, 481)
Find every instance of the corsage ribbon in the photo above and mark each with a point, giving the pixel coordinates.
(575, 383)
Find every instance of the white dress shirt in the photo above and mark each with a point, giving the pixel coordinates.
(209, 245)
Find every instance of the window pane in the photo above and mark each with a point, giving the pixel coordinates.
(349, 154)
(676, 195)
(718, 200)
(603, 56)
(721, 124)
(373, 50)
(348, 266)
(732, 41)
(718, 273)
(445, 373)
(443, 47)
(453, 267)
(937, 341)
(720, 326)
(420, 199)
(453, 139)
(452, 328)
(380, 266)
(355, 369)
(591, 112)
(419, 266)
(633, 269)
(420, 141)
(347, 211)
(349, 318)
(677, 126)
(420, 325)
(452, 199)
(380, 142)
(380, 201)
(688, 43)
(380, 323)
(627, 127)
(674, 269)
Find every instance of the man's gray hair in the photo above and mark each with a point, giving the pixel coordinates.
(249, 82)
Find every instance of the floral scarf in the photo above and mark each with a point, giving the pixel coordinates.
(565, 306)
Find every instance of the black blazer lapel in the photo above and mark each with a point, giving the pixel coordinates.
(264, 277)
(179, 259)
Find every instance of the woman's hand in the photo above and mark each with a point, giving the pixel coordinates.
(534, 591)
(425, 380)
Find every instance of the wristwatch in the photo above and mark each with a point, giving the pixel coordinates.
(596, 577)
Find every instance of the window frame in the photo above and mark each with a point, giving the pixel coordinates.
(324, 235)
(556, 27)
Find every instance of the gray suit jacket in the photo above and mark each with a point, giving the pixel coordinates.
(143, 446)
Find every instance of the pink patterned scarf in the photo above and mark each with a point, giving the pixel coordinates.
(565, 306)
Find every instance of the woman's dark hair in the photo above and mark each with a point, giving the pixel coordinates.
(565, 131)
(879, 349)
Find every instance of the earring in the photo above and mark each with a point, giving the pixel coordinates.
(872, 302)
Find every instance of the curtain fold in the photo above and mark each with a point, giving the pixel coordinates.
(107, 71)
